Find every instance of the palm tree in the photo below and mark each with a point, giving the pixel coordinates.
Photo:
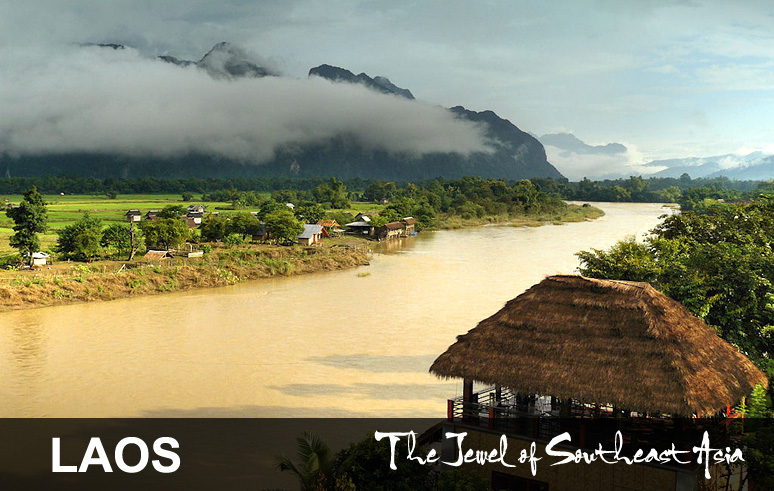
(316, 463)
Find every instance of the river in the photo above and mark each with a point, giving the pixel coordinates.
(349, 343)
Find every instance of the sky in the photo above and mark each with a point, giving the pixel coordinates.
(668, 79)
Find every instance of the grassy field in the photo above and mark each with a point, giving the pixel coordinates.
(65, 282)
(66, 210)
(107, 280)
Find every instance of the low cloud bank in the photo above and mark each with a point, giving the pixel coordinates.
(576, 166)
(91, 99)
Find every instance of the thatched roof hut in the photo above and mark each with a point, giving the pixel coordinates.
(601, 341)
(155, 255)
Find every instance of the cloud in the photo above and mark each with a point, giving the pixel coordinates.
(91, 99)
(598, 165)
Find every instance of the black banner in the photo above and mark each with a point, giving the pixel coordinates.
(237, 454)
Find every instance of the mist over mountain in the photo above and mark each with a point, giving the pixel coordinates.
(118, 113)
(576, 159)
(382, 84)
(572, 144)
(755, 165)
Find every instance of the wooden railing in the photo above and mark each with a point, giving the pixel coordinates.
(541, 418)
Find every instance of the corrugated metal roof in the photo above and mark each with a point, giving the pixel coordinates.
(309, 231)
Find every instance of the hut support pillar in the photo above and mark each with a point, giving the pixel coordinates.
(469, 401)
(564, 412)
(467, 390)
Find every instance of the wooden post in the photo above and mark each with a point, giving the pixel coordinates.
(450, 410)
(467, 390)
(564, 412)
(469, 412)
(131, 234)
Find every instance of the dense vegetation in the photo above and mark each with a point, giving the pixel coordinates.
(363, 467)
(437, 203)
(30, 218)
(683, 190)
(718, 262)
(245, 190)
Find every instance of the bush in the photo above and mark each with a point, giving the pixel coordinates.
(233, 240)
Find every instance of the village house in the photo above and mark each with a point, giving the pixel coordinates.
(157, 256)
(39, 259)
(361, 227)
(366, 216)
(133, 216)
(312, 234)
(196, 209)
(590, 357)
(196, 216)
(392, 230)
(260, 234)
(190, 221)
(332, 227)
(152, 215)
(409, 225)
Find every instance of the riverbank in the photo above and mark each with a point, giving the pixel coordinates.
(102, 280)
(571, 214)
(65, 283)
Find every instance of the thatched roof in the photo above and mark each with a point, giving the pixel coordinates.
(603, 341)
(155, 255)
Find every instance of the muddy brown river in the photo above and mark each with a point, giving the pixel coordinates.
(333, 344)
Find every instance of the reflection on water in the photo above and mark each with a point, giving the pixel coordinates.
(377, 363)
(332, 344)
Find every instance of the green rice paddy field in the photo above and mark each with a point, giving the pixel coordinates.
(66, 210)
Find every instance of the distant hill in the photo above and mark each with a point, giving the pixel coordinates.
(753, 166)
(224, 60)
(382, 84)
(518, 155)
(577, 159)
(515, 155)
(570, 143)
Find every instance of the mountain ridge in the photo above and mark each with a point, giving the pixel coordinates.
(515, 154)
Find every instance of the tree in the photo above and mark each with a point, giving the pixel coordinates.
(283, 226)
(316, 467)
(363, 464)
(81, 240)
(30, 219)
(311, 213)
(165, 233)
(172, 211)
(334, 193)
(270, 206)
(243, 224)
(118, 237)
(719, 264)
(214, 228)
